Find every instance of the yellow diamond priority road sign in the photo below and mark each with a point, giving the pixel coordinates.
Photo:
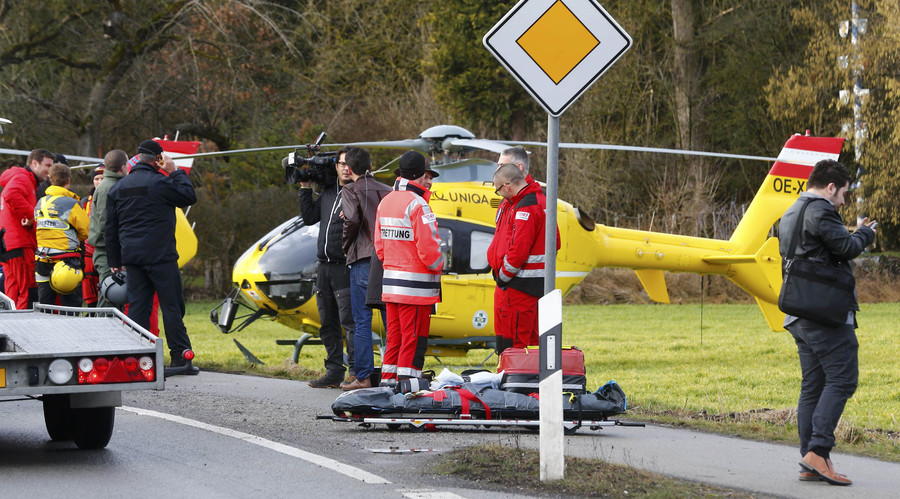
(557, 48)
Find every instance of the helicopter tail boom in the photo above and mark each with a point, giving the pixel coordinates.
(749, 258)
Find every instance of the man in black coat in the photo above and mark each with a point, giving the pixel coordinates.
(828, 355)
(332, 275)
(140, 239)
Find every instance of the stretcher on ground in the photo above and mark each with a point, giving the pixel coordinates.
(475, 405)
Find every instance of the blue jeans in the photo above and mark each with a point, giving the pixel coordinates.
(828, 360)
(362, 317)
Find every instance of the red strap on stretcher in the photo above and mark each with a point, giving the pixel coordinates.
(465, 396)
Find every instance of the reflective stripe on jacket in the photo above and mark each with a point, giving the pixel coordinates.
(61, 222)
(407, 241)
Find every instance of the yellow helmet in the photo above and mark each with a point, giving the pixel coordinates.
(65, 279)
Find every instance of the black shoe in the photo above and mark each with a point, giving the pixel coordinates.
(331, 379)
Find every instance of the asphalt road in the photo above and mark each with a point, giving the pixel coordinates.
(219, 435)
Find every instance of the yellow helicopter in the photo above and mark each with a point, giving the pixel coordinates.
(274, 277)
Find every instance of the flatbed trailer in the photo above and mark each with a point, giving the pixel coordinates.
(77, 362)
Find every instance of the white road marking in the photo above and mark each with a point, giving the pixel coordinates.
(428, 494)
(350, 471)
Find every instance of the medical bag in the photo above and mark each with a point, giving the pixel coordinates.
(520, 368)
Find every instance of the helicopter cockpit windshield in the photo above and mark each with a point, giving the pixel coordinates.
(466, 170)
(289, 263)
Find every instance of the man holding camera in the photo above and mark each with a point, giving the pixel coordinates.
(332, 277)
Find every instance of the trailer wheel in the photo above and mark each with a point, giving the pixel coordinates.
(58, 417)
(93, 426)
(393, 426)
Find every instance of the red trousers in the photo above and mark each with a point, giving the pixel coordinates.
(91, 282)
(407, 340)
(20, 284)
(154, 315)
(516, 317)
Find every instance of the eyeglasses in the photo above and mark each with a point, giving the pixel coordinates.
(342, 163)
(497, 190)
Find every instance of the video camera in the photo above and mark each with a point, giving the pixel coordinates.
(316, 166)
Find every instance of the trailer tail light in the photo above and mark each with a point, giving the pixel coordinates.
(98, 370)
(60, 371)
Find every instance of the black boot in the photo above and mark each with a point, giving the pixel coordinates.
(331, 379)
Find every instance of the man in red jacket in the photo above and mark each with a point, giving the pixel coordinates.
(407, 242)
(516, 257)
(18, 239)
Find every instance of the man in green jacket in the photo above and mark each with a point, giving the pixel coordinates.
(114, 163)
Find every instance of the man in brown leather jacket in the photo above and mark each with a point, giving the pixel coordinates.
(359, 203)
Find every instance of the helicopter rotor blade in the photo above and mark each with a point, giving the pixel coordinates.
(613, 147)
(234, 152)
(421, 145)
(386, 167)
(87, 159)
(484, 144)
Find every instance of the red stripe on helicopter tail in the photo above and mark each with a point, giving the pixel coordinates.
(179, 147)
(802, 152)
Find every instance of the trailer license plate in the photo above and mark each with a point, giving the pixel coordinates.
(2, 377)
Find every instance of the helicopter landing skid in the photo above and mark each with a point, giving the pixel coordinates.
(308, 339)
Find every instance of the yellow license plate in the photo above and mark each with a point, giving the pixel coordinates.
(2, 377)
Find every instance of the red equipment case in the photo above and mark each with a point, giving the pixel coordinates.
(520, 370)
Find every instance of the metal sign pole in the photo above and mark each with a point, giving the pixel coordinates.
(552, 442)
(552, 195)
(526, 41)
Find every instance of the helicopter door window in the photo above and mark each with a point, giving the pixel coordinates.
(446, 248)
(478, 250)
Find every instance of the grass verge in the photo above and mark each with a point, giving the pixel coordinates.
(516, 469)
